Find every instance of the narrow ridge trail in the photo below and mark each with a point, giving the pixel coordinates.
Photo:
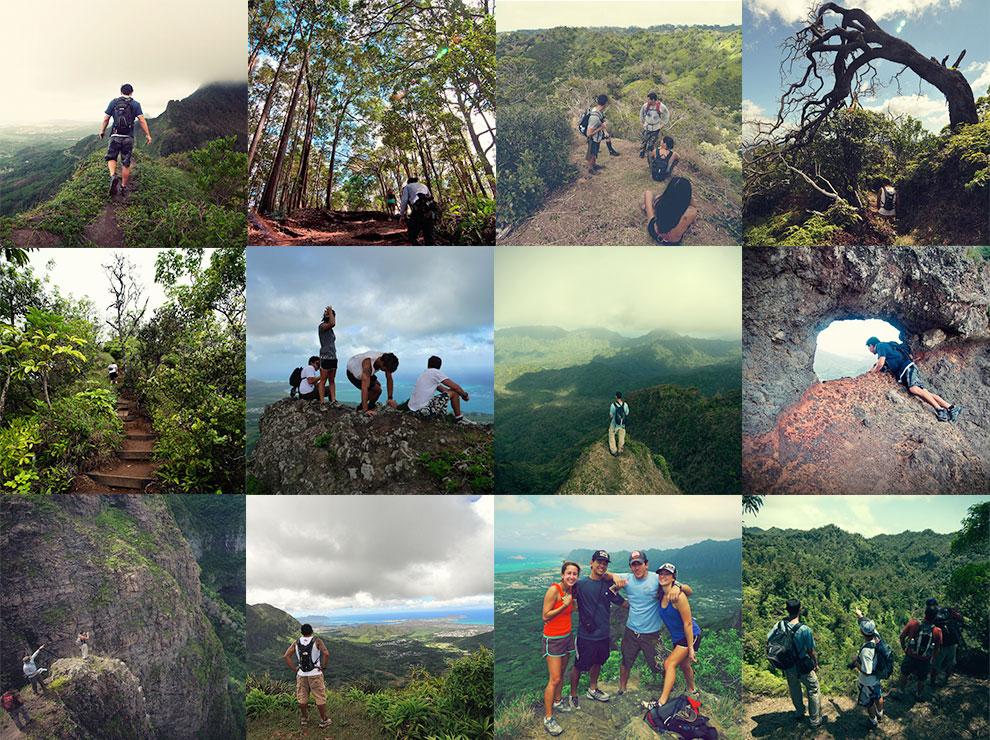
(133, 467)
(604, 209)
(104, 230)
(317, 227)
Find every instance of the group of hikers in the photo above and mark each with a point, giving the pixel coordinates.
(655, 600)
(316, 382)
(11, 699)
(424, 212)
(671, 213)
(896, 358)
(929, 647)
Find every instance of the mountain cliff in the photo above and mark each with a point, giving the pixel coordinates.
(115, 565)
(866, 434)
(305, 450)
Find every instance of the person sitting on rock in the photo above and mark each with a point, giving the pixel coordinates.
(670, 213)
(617, 413)
(12, 702)
(34, 674)
(309, 383)
(311, 659)
(82, 640)
(426, 405)
(662, 159)
(892, 357)
(361, 370)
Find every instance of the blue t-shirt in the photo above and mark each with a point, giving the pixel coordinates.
(804, 641)
(643, 614)
(594, 600)
(894, 360)
(135, 106)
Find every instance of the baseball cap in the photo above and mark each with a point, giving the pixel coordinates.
(601, 555)
(637, 556)
(669, 567)
(867, 627)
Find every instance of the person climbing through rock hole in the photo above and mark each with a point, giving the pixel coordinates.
(897, 360)
(673, 212)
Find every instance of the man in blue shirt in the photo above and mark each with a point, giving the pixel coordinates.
(892, 358)
(125, 110)
(803, 670)
(595, 596)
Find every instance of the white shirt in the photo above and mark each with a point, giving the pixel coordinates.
(308, 382)
(354, 364)
(112, 368)
(426, 385)
(410, 193)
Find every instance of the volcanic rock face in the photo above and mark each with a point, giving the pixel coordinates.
(102, 694)
(392, 452)
(115, 565)
(867, 434)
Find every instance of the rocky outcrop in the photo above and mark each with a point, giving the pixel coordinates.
(115, 565)
(633, 472)
(303, 450)
(864, 435)
(103, 695)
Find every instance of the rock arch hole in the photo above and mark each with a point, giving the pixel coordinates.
(840, 350)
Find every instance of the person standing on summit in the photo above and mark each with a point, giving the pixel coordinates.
(125, 110)
(617, 414)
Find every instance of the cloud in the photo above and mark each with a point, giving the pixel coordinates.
(515, 504)
(794, 11)
(932, 112)
(983, 78)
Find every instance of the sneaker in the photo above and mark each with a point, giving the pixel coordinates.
(123, 191)
(464, 421)
(304, 722)
(551, 726)
(942, 415)
(648, 705)
(574, 702)
(613, 153)
(954, 412)
(642, 155)
(114, 184)
(326, 722)
(879, 717)
(620, 692)
(335, 405)
(563, 706)
(597, 695)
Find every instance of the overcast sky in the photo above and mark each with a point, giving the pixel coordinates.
(631, 290)
(561, 523)
(865, 515)
(934, 27)
(414, 302)
(65, 60)
(335, 554)
(512, 15)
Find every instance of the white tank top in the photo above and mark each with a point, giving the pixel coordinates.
(315, 653)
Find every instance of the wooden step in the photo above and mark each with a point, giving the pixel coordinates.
(134, 454)
(120, 481)
(139, 436)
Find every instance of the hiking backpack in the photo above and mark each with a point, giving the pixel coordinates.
(922, 643)
(619, 417)
(680, 715)
(294, 380)
(946, 621)
(883, 658)
(123, 117)
(583, 123)
(888, 198)
(659, 166)
(11, 701)
(305, 655)
(425, 208)
(781, 650)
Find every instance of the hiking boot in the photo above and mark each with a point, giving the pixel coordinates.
(464, 421)
(954, 412)
(597, 695)
(563, 706)
(551, 726)
(879, 717)
(325, 722)
(942, 415)
(304, 722)
(642, 155)
(114, 184)
(613, 153)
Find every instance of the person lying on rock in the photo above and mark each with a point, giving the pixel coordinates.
(424, 404)
(309, 384)
(361, 371)
(893, 358)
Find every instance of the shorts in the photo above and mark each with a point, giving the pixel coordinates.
(327, 364)
(356, 382)
(306, 685)
(558, 647)
(869, 694)
(648, 643)
(916, 667)
(122, 145)
(912, 377)
(435, 408)
(589, 653)
(683, 642)
(945, 659)
(311, 396)
(113, 376)
(593, 147)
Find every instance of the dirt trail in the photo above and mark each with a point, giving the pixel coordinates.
(957, 711)
(317, 227)
(633, 472)
(133, 469)
(605, 208)
(105, 231)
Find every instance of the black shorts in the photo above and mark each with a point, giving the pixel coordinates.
(593, 147)
(113, 376)
(916, 667)
(326, 364)
(122, 145)
(356, 382)
(683, 642)
(588, 653)
(311, 396)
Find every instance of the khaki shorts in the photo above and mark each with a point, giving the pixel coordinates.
(648, 643)
(306, 685)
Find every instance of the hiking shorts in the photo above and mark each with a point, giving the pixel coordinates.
(122, 145)
(593, 147)
(435, 408)
(683, 642)
(328, 364)
(648, 643)
(945, 659)
(356, 382)
(912, 377)
(589, 653)
(558, 647)
(306, 685)
(869, 694)
(916, 667)
(113, 376)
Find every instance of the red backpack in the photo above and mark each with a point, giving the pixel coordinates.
(11, 701)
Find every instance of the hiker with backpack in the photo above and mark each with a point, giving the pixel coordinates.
(432, 392)
(309, 380)
(328, 358)
(34, 674)
(791, 649)
(361, 371)
(921, 642)
(951, 623)
(685, 634)
(887, 200)
(653, 116)
(592, 125)
(874, 662)
(82, 640)
(662, 159)
(896, 359)
(423, 211)
(390, 204)
(558, 642)
(112, 372)
(617, 413)
(12, 702)
(671, 213)
(125, 110)
(311, 659)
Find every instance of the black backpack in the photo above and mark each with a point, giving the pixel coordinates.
(294, 380)
(946, 621)
(680, 715)
(659, 166)
(781, 650)
(123, 117)
(583, 123)
(305, 655)
(922, 643)
(425, 208)
(619, 418)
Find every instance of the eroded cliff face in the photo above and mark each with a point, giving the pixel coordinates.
(392, 452)
(115, 565)
(866, 434)
(102, 694)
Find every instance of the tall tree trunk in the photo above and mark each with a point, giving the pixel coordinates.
(466, 113)
(333, 152)
(313, 91)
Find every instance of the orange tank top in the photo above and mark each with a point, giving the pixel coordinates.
(560, 625)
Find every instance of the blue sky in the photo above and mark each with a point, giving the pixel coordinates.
(935, 27)
(558, 524)
(865, 515)
(414, 302)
